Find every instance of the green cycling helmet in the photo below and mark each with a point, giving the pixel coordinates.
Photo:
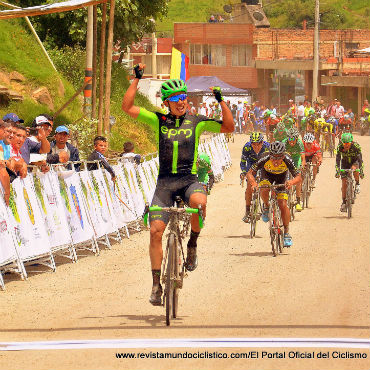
(303, 120)
(170, 87)
(267, 114)
(256, 137)
(347, 137)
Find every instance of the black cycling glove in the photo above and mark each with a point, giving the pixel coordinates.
(138, 72)
(217, 93)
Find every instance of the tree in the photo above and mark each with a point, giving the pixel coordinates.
(133, 18)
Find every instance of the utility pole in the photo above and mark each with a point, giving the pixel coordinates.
(316, 58)
(154, 56)
(89, 61)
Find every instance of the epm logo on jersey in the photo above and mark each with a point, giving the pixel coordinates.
(173, 132)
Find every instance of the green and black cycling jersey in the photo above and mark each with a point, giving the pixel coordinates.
(178, 139)
(345, 159)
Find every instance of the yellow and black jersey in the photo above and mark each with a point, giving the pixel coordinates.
(265, 163)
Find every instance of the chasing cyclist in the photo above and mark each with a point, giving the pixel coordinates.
(204, 172)
(349, 156)
(252, 150)
(177, 135)
(280, 132)
(274, 168)
(294, 146)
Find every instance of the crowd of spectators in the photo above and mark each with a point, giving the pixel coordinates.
(23, 149)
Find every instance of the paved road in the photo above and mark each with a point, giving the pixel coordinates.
(317, 289)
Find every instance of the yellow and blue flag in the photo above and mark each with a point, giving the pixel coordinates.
(179, 65)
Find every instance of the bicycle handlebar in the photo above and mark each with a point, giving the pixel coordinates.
(350, 170)
(174, 209)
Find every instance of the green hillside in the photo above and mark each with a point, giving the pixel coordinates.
(281, 13)
(20, 52)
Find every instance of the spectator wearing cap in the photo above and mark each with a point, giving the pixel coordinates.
(128, 152)
(100, 146)
(12, 118)
(61, 151)
(39, 144)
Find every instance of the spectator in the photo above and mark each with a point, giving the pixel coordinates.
(128, 152)
(12, 118)
(330, 111)
(300, 112)
(220, 19)
(192, 109)
(273, 109)
(292, 108)
(17, 163)
(29, 146)
(204, 110)
(4, 179)
(339, 110)
(5, 132)
(101, 146)
(239, 117)
(45, 123)
(364, 106)
(212, 19)
(61, 151)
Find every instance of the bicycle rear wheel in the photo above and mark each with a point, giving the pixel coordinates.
(349, 197)
(169, 277)
(292, 202)
(273, 230)
(253, 218)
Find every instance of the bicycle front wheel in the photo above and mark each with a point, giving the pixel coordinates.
(253, 219)
(177, 271)
(171, 246)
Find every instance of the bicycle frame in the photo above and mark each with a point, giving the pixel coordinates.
(350, 192)
(275, 221)
(173, 263)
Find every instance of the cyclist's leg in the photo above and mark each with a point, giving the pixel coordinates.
(282, 198)
(314, 161)
(195, 196)
(298, 187)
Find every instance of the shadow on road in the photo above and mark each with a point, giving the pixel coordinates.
(242, 237)
(252, 254)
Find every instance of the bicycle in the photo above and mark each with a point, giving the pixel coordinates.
(307, 186)
(173, 264)
(275, 220)
(350, 193)
(255, 213)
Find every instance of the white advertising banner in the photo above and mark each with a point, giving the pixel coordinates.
(100, 183)
(70, 189)
(130, 174)
(99, 215)
(7, 247)
(52, 211)
(29, 226)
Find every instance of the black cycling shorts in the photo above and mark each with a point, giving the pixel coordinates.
(268, 178)
(168, 187)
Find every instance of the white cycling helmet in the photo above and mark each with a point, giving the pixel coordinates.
(277, 147)
(309, 138)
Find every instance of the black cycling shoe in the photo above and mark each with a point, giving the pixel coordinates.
(191, 259)
(156, 296)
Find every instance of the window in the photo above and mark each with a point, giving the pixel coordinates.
(352, 45)
(208, 54)
(242, 55)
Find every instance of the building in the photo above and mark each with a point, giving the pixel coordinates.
(276, 64)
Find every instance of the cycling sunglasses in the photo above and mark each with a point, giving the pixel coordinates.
(176, 98)
(292, 138)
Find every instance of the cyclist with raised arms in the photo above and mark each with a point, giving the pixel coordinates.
(177, 136)
(252, 150)
(349, 156)
(274, 168)
(294, 146)
(312, 152)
